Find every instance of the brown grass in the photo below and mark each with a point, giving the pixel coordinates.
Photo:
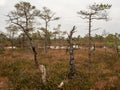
(104, 71)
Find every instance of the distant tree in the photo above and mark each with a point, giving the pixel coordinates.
(46, 38)
(110, 37)
(59, 35)
(63, 35)
(21, 39)
(98, 38)
(23, 16)
(79, 38)
(97, 12)
(104, 34)
(113, 41)
(47, 15)
(116, 41)
(57, 32)
(11, 32)
(85, 38)
(3, 40)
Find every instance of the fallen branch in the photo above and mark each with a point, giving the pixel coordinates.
(60, 86)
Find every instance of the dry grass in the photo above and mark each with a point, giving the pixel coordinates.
(104, 71)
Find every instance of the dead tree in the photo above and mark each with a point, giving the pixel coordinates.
(71, 62)
(71, 53)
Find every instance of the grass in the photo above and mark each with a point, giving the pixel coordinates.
(20, 72)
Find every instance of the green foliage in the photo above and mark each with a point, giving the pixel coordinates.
(99, 7)
(97, 11)
(47, 15)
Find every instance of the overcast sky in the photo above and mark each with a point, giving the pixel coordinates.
(66, 9)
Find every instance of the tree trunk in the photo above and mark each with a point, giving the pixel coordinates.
(46, 35)
(40, 67)
(89, 41)
(72, 66)
(71, 53)
(35, 56)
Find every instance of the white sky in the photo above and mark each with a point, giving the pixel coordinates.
(66, 9)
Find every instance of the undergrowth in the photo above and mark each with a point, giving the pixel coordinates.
(23, 75)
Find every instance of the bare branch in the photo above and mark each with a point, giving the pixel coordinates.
(95, 29)
(84, 17)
